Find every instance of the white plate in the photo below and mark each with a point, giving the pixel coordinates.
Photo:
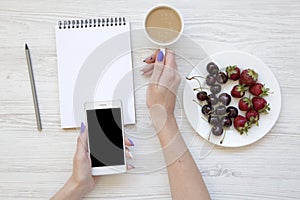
(243, 61)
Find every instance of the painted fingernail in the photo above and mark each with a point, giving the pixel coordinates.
(160, 56)
(82, 127)
(130, 166)
(131, 142)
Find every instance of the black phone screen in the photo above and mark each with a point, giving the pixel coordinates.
(105, 137)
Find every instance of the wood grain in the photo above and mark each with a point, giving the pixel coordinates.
(34, 165)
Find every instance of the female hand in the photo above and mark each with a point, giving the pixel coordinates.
(82, 181)
(162, 88)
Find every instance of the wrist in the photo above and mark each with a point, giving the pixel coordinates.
(77, 189)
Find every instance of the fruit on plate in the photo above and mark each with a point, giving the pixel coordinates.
(245, 104)
(212, 68)
(221, 77)
(259, 89)
(260, 104)
(207, 109)
(217, 109)
(248, 77)
(217, 130)
(233, 72)
(202, 96)
(226, 121)
(210, 80)
(241, 124)
(252, 116)
(212, 99)
(225, 99)
(238, 91)
(215, 89)
(232, 112)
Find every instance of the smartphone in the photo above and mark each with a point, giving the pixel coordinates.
(106, 137)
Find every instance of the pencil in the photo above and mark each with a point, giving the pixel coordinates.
(33, 89)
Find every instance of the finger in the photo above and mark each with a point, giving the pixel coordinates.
(152, 58)
(130, 166)
(82, 139)
(129, 142)
(170, 59)
(158, 68)
(148, 67)
(149, 73)
(128, 153)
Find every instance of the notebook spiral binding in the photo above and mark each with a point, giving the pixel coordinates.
(85, 23)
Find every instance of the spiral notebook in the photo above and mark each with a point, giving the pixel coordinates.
(94, 64)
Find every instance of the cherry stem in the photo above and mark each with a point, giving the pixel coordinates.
(223, 137)
(197, 102)
(209, 136)
(195, 78)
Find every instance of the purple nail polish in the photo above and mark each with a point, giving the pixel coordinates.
(131, 142)
(82, 127)
(160, 56)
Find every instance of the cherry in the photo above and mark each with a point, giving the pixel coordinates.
(220, 110)
(212, 99)
(212, 68)
(217, 130)
(210, 80)
(215, 89)
(225, 99)
(202, 96)
(207, 109)
(213, 120)
(226, 121)
(232, 112)
(222, 78)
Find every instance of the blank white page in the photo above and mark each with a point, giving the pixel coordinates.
(94, 64)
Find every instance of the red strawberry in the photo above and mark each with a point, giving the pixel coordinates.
(241, 124)
(260, 104)
(259, 89)
(245, 104)
(252, 116)
(233, 72)
(248, 77)
(238, 91)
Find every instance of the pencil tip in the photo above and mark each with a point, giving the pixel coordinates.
(26, 47)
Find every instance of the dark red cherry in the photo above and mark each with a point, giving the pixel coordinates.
(212, 68)
(217, 130)
(210, 80)
(212, 99)
(226, 121)
(232, 112)
(213, 120)
(202, 96)
(225, 99)
(220, 110)
(215, 89)
(222, 78)
(207, 109)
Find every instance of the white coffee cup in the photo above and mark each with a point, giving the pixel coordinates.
(163, 25)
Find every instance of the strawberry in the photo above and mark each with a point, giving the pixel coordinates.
(241, 124)
(245, 104)
(248, 77)
(252, 116)
(260, 104)
(233, 72)
(238, 91)
(259, 89)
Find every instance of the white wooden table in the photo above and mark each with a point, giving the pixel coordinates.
(34, 165)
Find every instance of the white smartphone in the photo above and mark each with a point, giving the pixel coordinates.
(106, 137)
